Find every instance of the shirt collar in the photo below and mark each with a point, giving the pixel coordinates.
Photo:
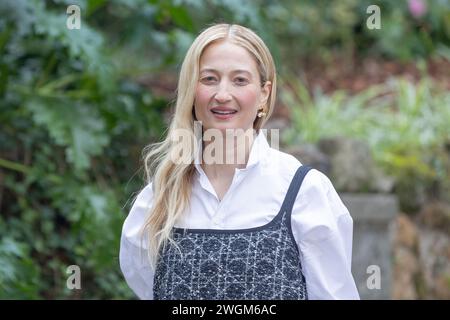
(259, 150)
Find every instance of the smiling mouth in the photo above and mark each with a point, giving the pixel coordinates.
(223, 112)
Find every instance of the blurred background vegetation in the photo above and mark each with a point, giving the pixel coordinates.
(78, 106)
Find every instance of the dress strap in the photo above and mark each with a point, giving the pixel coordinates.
(294, 187)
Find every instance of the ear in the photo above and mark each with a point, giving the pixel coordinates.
(265, 92)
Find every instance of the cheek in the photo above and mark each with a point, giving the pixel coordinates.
(248, 99)
(202, 96)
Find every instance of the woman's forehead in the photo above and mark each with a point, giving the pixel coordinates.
(213, 70)
(227, 56)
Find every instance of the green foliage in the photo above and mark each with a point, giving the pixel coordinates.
(405, 125)
(314, 28)
(19, 274)
(75, 114)
(73, 126)
(418, 36)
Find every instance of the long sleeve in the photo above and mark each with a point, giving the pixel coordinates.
(133, 256)
(323, 229)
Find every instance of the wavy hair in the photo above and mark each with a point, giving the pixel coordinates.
(171, 174)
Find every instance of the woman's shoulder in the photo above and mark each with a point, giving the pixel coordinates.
(284, 164)
(289, 164)
(284, 157)
(315, 180)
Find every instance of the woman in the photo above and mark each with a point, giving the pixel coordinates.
(231, 217)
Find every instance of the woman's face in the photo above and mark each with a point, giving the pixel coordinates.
(229, 92)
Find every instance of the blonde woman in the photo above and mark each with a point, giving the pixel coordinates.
(224, 215)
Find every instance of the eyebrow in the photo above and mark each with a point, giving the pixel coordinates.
(234, 71)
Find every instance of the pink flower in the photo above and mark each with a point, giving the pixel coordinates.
(417, 8)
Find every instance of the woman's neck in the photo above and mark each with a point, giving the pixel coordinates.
(226, 153)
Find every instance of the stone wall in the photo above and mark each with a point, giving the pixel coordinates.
(374, 217)
(410, 252)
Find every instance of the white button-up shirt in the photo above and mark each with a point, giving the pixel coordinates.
(321, 224)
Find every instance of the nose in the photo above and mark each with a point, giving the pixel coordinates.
(223, 93)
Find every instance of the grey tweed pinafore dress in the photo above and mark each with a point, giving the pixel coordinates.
(259, 263)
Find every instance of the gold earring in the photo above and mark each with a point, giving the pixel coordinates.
(261, 114)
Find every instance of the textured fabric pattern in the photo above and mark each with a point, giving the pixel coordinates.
(259, 263)
(262, 264)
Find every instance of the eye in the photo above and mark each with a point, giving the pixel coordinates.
(241, 80)
(208, 79)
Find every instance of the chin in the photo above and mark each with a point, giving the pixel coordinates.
(224, 128)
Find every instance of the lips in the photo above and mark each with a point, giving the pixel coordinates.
(223, 110)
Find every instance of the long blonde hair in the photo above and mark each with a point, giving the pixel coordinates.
(172, 180)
